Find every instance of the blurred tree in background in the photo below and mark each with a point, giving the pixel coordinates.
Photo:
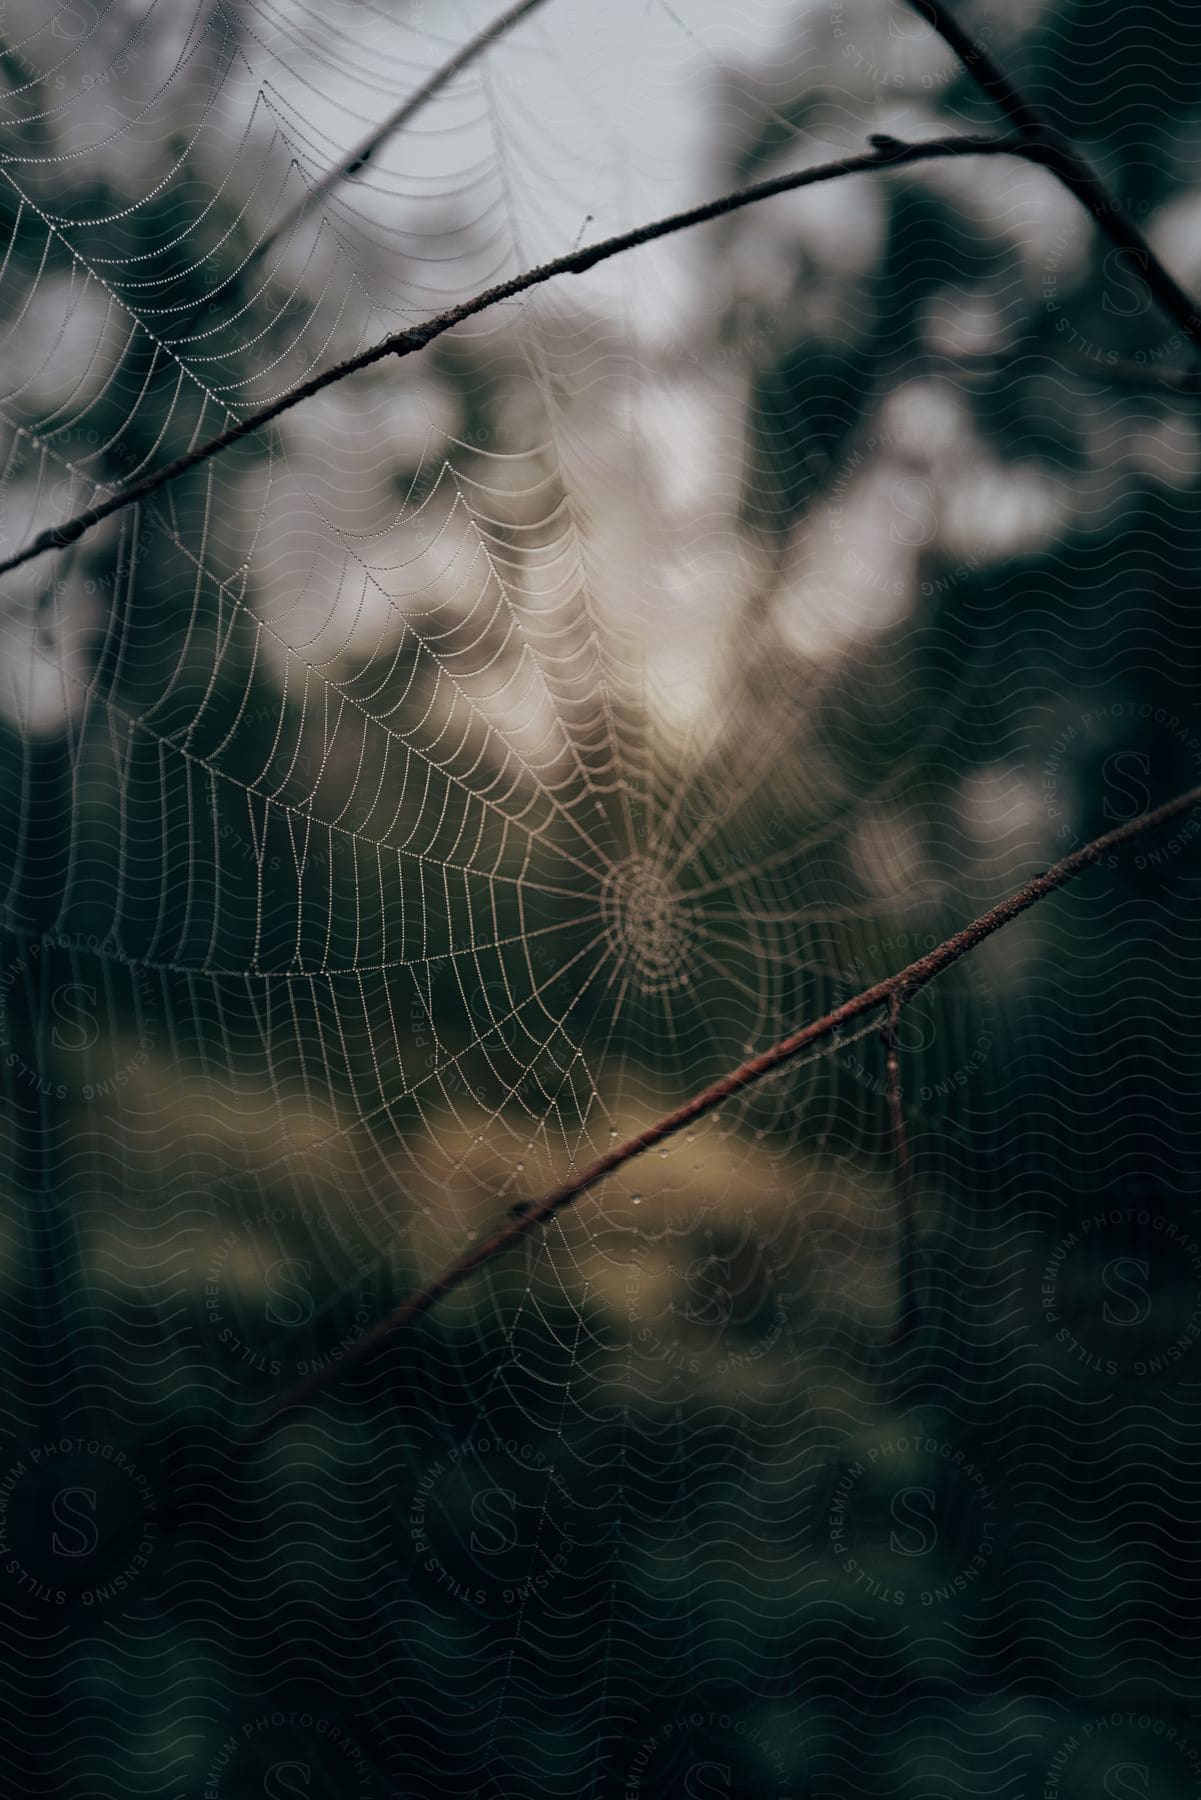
(423, 795)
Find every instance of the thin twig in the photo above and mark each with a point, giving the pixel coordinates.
(906, 1215)
(904, 984)
(884, 154)
(1045, 143)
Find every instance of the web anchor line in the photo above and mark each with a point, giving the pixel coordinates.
(907, 1313)
(356, 160)
(892, 992)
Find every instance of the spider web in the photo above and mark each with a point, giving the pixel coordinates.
(407, 807)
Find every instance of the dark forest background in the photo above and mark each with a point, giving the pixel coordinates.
(326, 941)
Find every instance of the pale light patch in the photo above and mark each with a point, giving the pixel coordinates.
(63, 350)
(690, 428)
(926, 418)
(50, 612)
(1169, 451)
(42, 682)
(887, 855)
(1175, 235)
(853, 582)
(838, 225)
(1003, 809)
(991, 511)
(998, 803)
(963, 324)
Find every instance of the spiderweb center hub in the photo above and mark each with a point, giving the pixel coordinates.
(648, 922)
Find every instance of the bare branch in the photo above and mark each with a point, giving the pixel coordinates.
(1036, 140)
(890, 992)
(886, 153)
(1044, 143)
